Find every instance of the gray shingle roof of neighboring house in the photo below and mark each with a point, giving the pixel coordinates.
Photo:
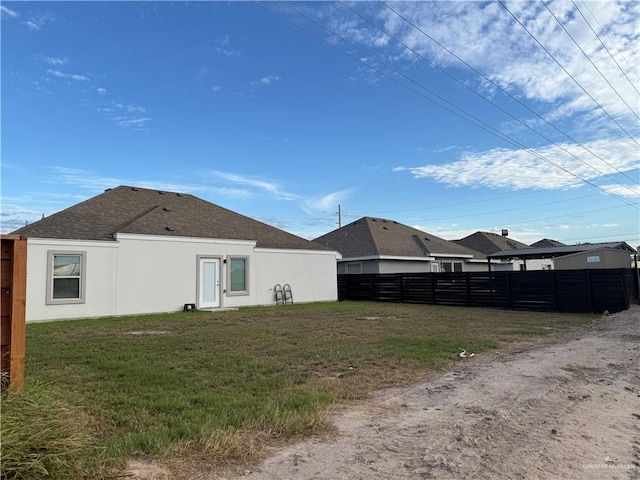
(547, 242)
(551, 252)
(153, 212)
(375, 237)
(488, 243)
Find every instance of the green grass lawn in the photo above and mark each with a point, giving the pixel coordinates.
(221, 384)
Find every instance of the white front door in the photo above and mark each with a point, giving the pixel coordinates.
(209, 283)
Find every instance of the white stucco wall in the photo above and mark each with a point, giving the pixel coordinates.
(150, 274)
(100, 281)
(312, 275)
(159, 274)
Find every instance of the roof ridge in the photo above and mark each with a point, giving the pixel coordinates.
(371, 236)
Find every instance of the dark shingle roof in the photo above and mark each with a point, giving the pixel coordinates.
(379, 237)
(488, 243)
(547, 242)
(152, 212)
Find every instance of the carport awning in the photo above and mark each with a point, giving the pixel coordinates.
(552, 252)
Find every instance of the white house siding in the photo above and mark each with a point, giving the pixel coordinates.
(100, 281)
(312, 274)
(151, 274)
(159, 273)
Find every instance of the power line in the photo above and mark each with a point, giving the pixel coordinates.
(463, 84)
(590, 61)
(567, 72)
(605, 47)
(552, 218)
(494, 211)
(460, 112)
(512, 97)
(611, 40)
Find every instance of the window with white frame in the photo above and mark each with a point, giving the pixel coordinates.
(238, 275)
(65, 277)
(452, 267)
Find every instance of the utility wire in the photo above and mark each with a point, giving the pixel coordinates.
(512, 97)
(588, 58)
(611, 40)
(432, 207)
(567, 72)
(605, 47)
(475, 92)
(413, 199)
(547, 218)
(460, 112)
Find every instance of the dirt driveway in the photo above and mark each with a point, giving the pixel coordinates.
(568, 410)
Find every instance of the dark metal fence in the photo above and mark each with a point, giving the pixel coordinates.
(577, 291)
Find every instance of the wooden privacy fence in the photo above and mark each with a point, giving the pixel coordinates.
(576, 291)
(13, 291)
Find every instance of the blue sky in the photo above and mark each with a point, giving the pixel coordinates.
(451, 117)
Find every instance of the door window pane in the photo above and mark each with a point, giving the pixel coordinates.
(208, 282)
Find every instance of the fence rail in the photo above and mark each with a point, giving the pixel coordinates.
(576, 291)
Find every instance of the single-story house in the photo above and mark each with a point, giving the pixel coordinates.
(570, 257)
(133, 250)
(547, 242)
(488, 243)
(376, 245)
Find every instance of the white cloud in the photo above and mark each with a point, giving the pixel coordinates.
(32, 25)
(631, 191)
(7, 13)
(266, 81)
(518, 169)
(269, 187)
(98, 183)
(125, 115)
(72, 76)
(54, 61)
(228, 192)
(37, 22)
(487, 37)
(101, 91)
(133, 122)
(328, 202)
(223, 47)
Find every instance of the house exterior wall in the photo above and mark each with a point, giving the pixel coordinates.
(389, 265)
(312, 275)
(165, 270)
(100, 280)
(601, 258)
(151, 274)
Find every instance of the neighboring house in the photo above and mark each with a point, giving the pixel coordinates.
(488, 243)
(570, 257)
(133, 250)
(547, 242)
(375, 245)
